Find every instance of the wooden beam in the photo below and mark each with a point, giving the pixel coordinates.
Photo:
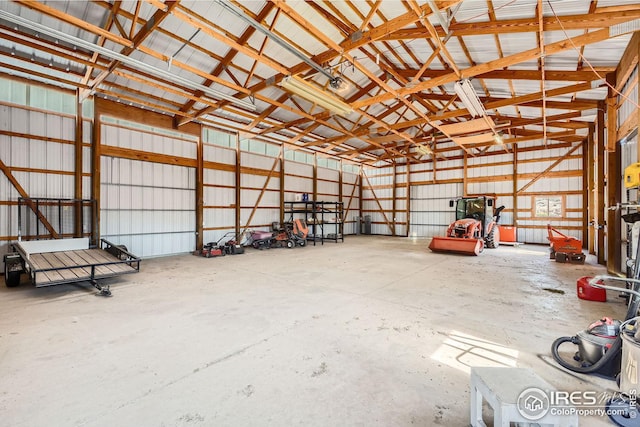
(199, 195)
(514, 180)
(556, 75)
(382, 211)
(77, 22)
(393, 197)
(12, 179)
(527, 25)
(628, 61)
(96, 169)
(591, 189)
(600, 199)
(585, 192)
(550, 49)
(262, 191)
(408, 195)
(548, 169)
(614, 184)
(78, 164)
(282, 183)
(238, 186)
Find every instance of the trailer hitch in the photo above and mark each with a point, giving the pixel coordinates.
(104, 290)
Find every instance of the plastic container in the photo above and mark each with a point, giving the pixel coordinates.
(630, 374)
(507, 233)
(587, 292)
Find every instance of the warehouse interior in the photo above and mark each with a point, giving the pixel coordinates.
(326, 144)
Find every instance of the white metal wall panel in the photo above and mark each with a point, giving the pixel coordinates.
(430, 211)
(148, 207)
(268, 209)
(121, 136)
(219, 195)
(351, 201)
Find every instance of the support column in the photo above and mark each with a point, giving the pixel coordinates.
(77, 192)
(408, 196)
(585, 193)
(464, 174)
(96, 153)
(238, 188)
(591, 185)
(282, 179)
(315, 177)
(199, 193)
(393, 197)
(600, 200)
(515, 189)
(614, 180)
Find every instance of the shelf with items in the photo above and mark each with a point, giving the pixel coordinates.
(325, 220)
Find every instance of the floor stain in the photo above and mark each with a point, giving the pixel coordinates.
(321, 370)
(555, 291)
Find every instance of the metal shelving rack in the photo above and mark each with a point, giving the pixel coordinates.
(319, 215)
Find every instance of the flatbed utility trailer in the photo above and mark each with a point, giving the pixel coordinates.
(58, 261)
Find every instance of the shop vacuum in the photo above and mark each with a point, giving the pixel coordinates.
(611, 349)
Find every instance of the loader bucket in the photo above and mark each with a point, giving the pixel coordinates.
(460, 246)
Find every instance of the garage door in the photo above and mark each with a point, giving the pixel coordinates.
(149, 207)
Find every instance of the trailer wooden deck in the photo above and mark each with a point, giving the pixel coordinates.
(75, 266)
(53, 262)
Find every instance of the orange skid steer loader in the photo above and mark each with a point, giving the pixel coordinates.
(475, 227)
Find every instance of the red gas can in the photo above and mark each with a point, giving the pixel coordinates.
(588, 292)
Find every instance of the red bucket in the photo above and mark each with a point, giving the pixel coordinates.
(588, 292)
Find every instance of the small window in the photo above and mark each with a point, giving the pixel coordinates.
(548, 207)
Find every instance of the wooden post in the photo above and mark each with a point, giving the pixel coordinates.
(238, 188)
(282, 182)
(464, 174)
(600, 201)
(408, 196)
(515, 190)
(360, 203)
(77, 229)
(96, 153)
(585, 193)
(393, 197)
(315, 177)
(591, 185)
(614, 184)
(199, 193)
(613, 180)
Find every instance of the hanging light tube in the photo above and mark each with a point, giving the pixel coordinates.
(468, 96)
(139, 65)
(311, 93)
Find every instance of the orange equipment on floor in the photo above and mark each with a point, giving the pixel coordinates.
(475, 226)
(564, 248)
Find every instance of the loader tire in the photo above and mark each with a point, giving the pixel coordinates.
(493, 238)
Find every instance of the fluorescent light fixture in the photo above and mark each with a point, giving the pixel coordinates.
(138, 65)
(468, 96)
(315, 95)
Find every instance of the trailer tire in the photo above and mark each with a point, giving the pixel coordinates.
(11, 278)
(493, 238)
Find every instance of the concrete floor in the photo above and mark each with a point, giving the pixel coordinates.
(376, 331)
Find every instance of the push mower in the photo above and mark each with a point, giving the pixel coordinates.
(231, 246)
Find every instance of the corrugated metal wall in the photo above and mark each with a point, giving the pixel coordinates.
(351, 202)
(37, 150)
(148, 207)
(219, 194)
(257, 170)
(377, 200)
